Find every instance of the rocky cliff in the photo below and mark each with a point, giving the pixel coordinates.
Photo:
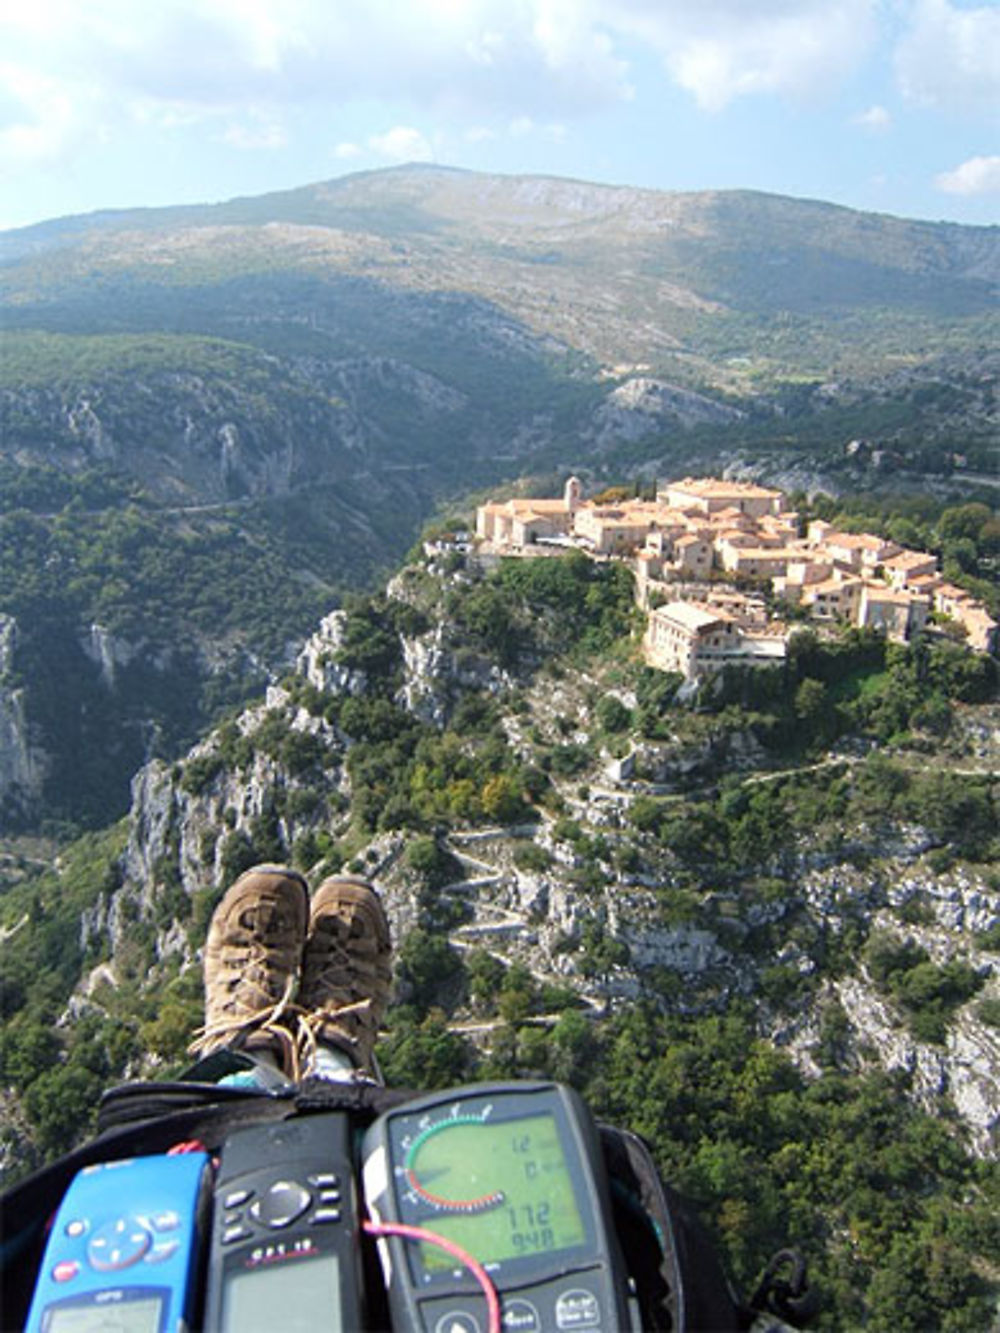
(23, 764)
(574, 891)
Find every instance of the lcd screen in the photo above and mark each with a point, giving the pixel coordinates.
(502, 1189)
(135, 1314)
(295, 1296)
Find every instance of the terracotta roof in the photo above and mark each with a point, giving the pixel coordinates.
(691, 615)
(953, 593)
(876, 593)
(709, 487)
(909, 559)
(863, 541)
(766, 553)
(537, 507)
(831, 585)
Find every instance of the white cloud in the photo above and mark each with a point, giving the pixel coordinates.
(40, 123)
(346, 151)
(544, 58)
(719, 50)
(402, 143)
(950, 57)
(256, 133)
(110, 63)
(876, 119)
(979, 175)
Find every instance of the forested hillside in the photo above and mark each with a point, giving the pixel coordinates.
(761, 926)
(762, 929)
(216, 421)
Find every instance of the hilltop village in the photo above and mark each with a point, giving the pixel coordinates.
(704, 552)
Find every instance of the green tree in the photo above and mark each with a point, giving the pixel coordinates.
(501, 799)
(612, 715)
(430, 969)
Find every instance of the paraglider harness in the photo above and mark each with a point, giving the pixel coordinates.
(676, 1280)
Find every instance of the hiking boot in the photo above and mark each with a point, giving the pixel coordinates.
(346, 972)
(252, 958)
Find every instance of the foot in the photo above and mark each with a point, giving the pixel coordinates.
(252, 958)
(346, 971)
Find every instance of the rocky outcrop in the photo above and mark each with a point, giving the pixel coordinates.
(23, 765)
(673, 766)
(318, 659)
(108, 652)
(361, 378)
(643, 405)
(438, 670)
(964, 1070)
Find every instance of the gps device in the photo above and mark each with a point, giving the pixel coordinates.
(513, 1174)
(285, 1251)
(122, 1254)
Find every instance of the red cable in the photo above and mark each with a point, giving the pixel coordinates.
(408, 1232)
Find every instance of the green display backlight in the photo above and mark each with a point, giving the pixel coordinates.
(501, 1189)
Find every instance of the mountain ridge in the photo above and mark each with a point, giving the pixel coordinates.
(416, 173)
(344, 357)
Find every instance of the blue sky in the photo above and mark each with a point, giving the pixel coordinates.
(887, 105)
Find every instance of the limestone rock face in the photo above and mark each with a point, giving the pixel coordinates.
(964, 1070)
(429, 667)
(84, 423)
(23, 765)
(642, 405)
(681, 948)
(437, 671)
(316, 660)
(108, 652)
(673, 766)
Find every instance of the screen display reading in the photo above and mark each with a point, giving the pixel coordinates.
(501, 1189)
(295, 1296)
(135, 1314)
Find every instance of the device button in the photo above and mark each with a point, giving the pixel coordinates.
(235, 1197)
(163, 1251)
(118, 1244)
(520, 1317)
(168, 1220)
(65, 1270)
(578, 1309)
(329, 1196)
(457, 1321)
(282, 1203)
(326, 1215)
(323, 1179)
(77, 1227)
(235, 1233)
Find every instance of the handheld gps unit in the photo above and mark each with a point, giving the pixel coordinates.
(123, 1250)
(513, 1174)
(285, 1250)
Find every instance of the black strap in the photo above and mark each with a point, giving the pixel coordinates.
(140, 1119)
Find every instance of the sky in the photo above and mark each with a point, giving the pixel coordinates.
(891, 106)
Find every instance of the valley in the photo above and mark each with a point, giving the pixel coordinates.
(753, 914)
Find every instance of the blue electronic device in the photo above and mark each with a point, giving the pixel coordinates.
(123, 1252)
